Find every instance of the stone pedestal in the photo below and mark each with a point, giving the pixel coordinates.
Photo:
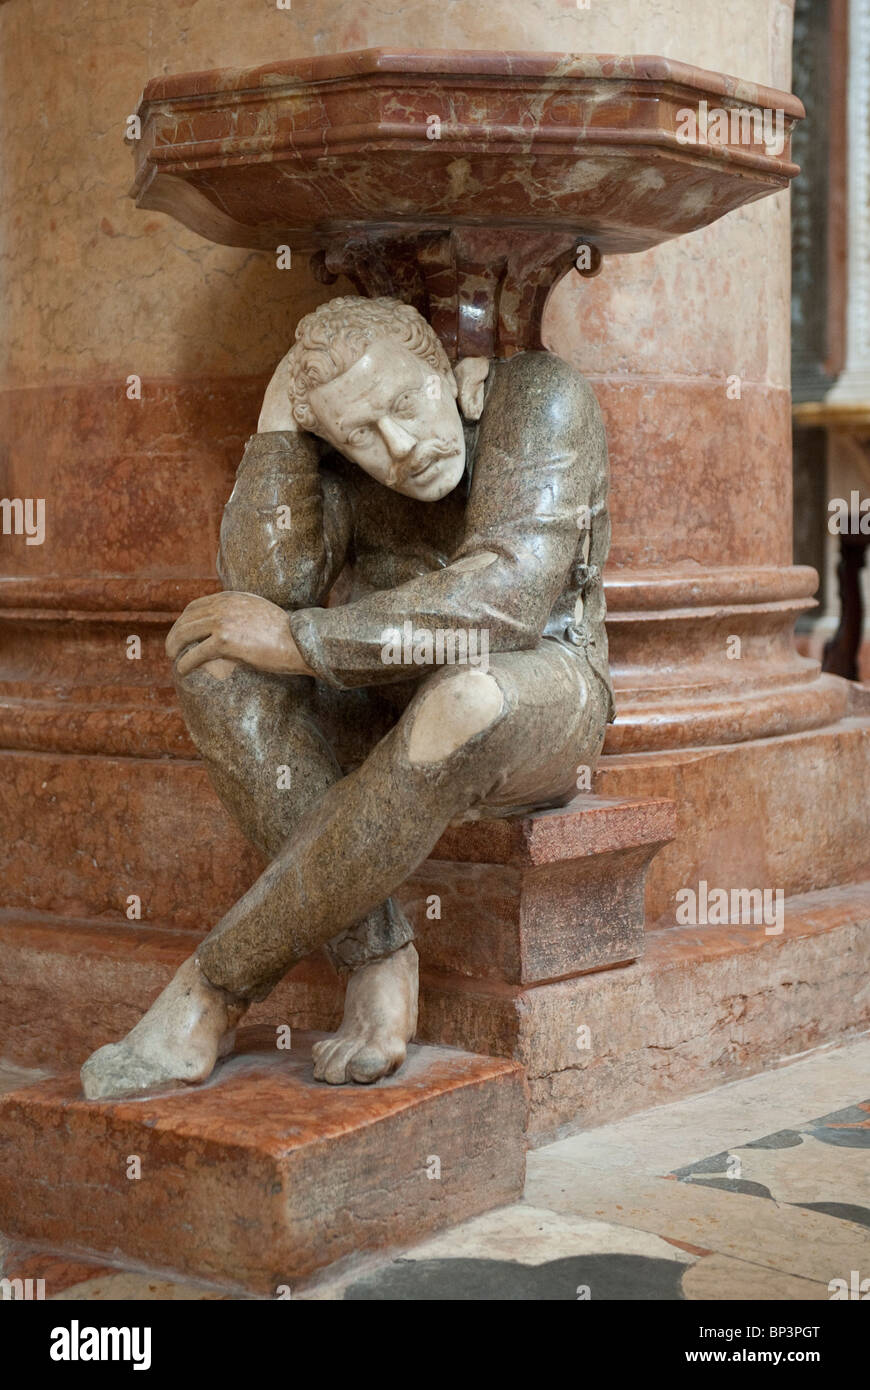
(268, 1175)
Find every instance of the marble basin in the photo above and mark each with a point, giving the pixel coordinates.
(576, 146)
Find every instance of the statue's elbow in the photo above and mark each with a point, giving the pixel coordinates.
(299, 584)
(243, 574)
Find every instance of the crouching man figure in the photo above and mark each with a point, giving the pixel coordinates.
(470, 503)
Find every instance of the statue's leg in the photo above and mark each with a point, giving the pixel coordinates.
(512, 736)
(272, 746)
(468, 738)
(552, 717)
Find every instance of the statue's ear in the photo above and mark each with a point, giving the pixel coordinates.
(471, 373)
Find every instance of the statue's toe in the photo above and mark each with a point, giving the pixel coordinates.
(371, 1063)
(333, 1067)
(116, 1070)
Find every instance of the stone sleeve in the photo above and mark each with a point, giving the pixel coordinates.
(286, 527)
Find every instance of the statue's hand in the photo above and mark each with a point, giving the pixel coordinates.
(471, 374)
(238, 627)
(276, 412)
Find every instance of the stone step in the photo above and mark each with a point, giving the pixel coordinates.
(69, 985)
(523, 899)
(542, 896)
(703, 1006)
(269, 1175)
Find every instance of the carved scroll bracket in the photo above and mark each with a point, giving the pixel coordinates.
(483, 289)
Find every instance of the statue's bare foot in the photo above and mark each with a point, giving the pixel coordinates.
(380, 1015)
(176, 1043)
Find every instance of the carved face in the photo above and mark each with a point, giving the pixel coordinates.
(397, 418)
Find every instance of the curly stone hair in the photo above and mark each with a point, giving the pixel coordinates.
(332, 338)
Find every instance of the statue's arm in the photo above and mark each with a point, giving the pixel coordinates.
(284, 536)
(540, 456)
(286, 527)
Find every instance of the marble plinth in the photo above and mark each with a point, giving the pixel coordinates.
(269, 1174)
(540, 897)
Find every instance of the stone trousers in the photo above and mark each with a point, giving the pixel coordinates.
(341, 842)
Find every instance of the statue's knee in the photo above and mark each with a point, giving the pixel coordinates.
(213, 696)
(220, 668)
(451, 713)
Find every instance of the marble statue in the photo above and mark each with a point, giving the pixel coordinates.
(411, 633)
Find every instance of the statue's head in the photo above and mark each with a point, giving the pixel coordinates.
(371, 378)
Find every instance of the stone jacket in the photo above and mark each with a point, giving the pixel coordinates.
(517, 551)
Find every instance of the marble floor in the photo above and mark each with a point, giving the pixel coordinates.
(759, 1190)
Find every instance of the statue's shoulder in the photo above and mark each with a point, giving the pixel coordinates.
(540, 366)
(543, 386)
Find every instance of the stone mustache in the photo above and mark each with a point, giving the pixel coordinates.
(384, 492)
